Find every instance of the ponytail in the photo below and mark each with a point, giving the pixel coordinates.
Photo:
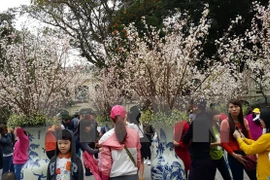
(120, 129)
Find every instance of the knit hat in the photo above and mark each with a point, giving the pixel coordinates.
(256, 110)
(118, 110)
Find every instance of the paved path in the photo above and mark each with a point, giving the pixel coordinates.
(147, 175)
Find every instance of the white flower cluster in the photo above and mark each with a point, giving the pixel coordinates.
(252, 49)
(34, 78)
(164, 69)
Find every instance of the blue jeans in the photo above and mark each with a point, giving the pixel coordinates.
(17, 170)
(7, 166)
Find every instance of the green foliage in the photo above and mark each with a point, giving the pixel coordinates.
(150, 9)
(245, 108)
(86, 22)
(101, 119)
(24, 121)
(221, 15)
(7, 29)
(5, 112)
(7, 23)
(222, 108)
(163, 119)
(147, 117)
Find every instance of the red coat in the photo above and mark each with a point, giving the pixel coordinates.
(182, 151)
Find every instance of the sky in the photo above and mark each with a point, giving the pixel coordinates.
(23, 21)
(5, 4)
(20, 20)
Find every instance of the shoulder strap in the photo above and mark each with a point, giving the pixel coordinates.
(140, 129)
(130, 156)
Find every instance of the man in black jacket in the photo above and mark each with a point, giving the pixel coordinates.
(199, 137)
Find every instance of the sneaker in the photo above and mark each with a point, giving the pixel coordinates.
(145, 161)
(148, 162)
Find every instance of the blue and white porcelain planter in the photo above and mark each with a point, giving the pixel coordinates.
(36, 166)
(165, 164)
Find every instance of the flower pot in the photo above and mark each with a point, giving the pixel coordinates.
(166, 165)
(36, 166)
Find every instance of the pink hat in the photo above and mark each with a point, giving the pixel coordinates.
(118, 110)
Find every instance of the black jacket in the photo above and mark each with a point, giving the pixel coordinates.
(76, 166)
(199, 135)
(1, 158)
(6, 143)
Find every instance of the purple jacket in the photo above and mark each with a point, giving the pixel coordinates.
(20, 154)
(255, 129)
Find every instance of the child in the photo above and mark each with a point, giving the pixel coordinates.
(65, 165)
(20, 155)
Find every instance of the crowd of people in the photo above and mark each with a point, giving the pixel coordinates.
(231, 144)
(207, 142)
(14, 150)
(71, 139)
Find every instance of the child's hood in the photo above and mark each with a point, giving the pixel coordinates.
(20, 133)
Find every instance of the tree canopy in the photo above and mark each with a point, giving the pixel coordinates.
(221, 14)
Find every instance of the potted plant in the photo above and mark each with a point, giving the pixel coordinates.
(35, 127)
(167, 68)
(35, 83)
(164, 160)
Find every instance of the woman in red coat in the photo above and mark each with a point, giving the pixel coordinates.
(181, 149)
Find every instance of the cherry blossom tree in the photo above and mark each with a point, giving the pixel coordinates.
(168, 70)
(34, 74)
(259, 56)
(104, 93)
(251, 49)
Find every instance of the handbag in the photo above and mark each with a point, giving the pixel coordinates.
(251, 162)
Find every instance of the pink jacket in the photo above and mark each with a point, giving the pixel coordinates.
(114, 160)
(20, 154)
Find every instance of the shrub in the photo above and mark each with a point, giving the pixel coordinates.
(24, 121)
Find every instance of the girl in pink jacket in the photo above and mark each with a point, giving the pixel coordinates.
(120, 157)
(20, 154)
